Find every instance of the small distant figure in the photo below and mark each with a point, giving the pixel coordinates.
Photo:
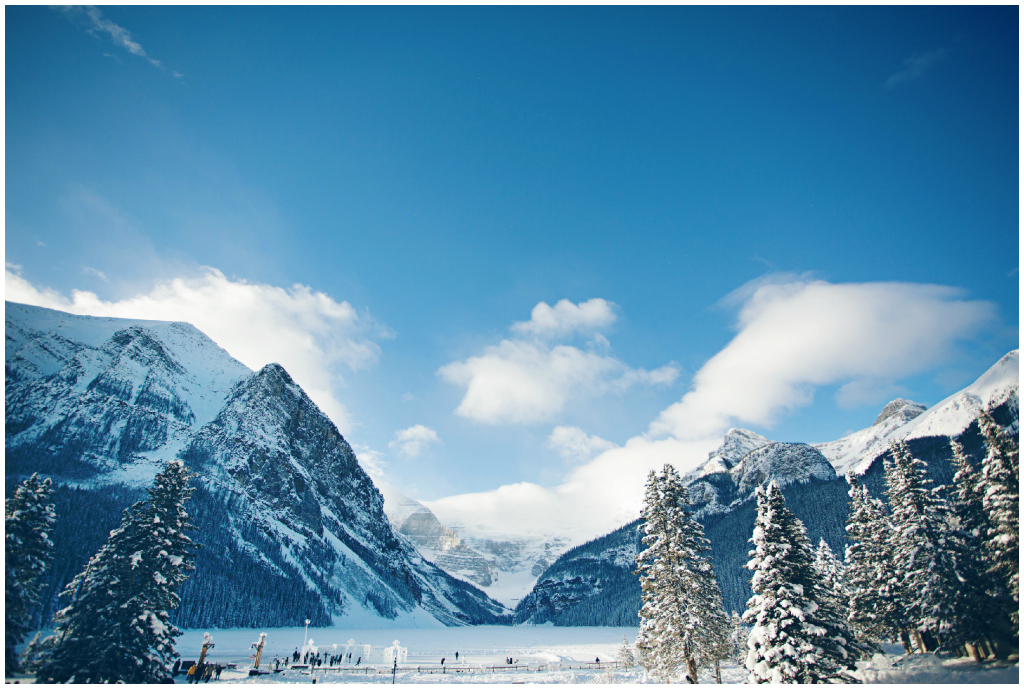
(219, 669)
(456, 656)
(597, 660)
(442, 662)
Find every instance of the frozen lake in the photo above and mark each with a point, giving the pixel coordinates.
(546, 655)
(479, 644)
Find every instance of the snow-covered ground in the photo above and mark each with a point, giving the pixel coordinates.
(545, 655)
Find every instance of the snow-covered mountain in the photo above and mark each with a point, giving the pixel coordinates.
(292, 526)
(903, 420)
(504, 568)
(591, 584)
(436, 542)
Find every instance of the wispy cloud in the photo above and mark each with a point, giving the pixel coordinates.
(97, 24)
(796, 334)
(95, 273)
(574, 445)
(413, 440)
(914, 66)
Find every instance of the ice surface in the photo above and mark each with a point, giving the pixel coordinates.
(546, 655)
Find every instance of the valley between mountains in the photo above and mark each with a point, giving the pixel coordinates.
(293, 528)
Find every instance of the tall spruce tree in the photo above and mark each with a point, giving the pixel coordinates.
(928, 552)
(28, 551)
(797, 636)
(682, 618)
(116, 627)
(987, 615)
(875, 613)
(1000, 489)
(832, 571)
(737, 639)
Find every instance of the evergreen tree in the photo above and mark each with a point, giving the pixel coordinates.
(989, 597)
(28, 550)
(116, 627)
(626, 658)
(737, 639)
(831, 570)
(682, 617)
(797, 636)
(1000, 489)
(875, 613)
(928, 552)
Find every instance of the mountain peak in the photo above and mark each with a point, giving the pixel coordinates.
(736, 445)
(900, 406)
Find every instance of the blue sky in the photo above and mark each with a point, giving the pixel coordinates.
(441, 172)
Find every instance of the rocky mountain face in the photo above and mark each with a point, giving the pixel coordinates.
(292, 527)
(593, 584)
(436, 542)
(590, 585)
(503, 568)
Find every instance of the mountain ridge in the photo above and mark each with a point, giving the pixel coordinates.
(574, 590)
(291, 523)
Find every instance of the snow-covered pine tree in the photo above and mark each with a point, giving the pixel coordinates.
(831, 570)
(927, 551)
(28, 550)
(737, 639)
(626, 658)
(796, 637)
(1000, 488)
(987, 619)
(682, 618)
(875, 614)
(116, 627)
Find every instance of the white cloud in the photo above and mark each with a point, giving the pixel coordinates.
(305, 331)
(95, 23)
(596, 498)
(574, 445)
(530, 379)
(524, 382)
(371, 461)
(565, 318)
(413, 440)
(794, 334)
(798, 334)
(914, 66)
(95, 273)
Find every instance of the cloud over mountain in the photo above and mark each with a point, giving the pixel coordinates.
(796, 334)
(313, 336)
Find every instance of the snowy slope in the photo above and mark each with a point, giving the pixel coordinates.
(855, 453)
(738, 443)
(850, 452)
(436, 542)
(293, 527)
(110, 398)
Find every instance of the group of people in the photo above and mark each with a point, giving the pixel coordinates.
(200, 672)
(317, 659)
(510, 661)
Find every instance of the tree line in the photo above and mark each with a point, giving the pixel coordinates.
(935, 568)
